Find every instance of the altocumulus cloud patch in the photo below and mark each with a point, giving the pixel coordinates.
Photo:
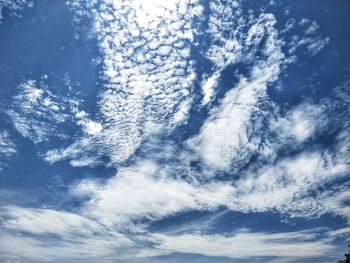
(174, 131)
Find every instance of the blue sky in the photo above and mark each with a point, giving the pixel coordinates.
(174, 131)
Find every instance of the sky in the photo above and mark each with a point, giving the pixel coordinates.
(205, 131)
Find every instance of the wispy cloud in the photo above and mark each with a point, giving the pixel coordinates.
(37, 113)
(300, 123)
(224, 135)
(67, 236)
(70, 236)
(14, 7)
(312, 41)
(7, 147)
(147, 191)
(245, 244)
(234, 161)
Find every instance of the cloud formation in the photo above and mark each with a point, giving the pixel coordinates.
(244, 244)
(13, 7)
(248, 154)
(37, 113)
(7, 147)
(147, 72)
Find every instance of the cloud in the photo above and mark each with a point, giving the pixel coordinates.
(250, 155)
(147, 73)
(340, 232)
(224, 136)
(311, 40)
(149, 90)
(92, 127)
(229, 137)
(294, 175)
(300, 123)
(7, 147)
(14, 7)
(243, 244)
(41, 115)
(147, 191)
(47, 221)
(37, 113)
(208, 87)
(42, 235)
(291, 185)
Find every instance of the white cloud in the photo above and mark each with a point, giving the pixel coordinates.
(13, 7)
(146, 190)
(224, 139)
(305, 182)
(7, 147)
(42, 235)
(300, 123)
(345, 231)
(208, 87)
(147, 80)
(336, 201)
(147, 75)
(224, 135)
(36, 113)
(228, 137)
(287, 186)
(47, 221)
(77, 151)
(90, 127)
(244, 244)
(311, 39)
(76, 162)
